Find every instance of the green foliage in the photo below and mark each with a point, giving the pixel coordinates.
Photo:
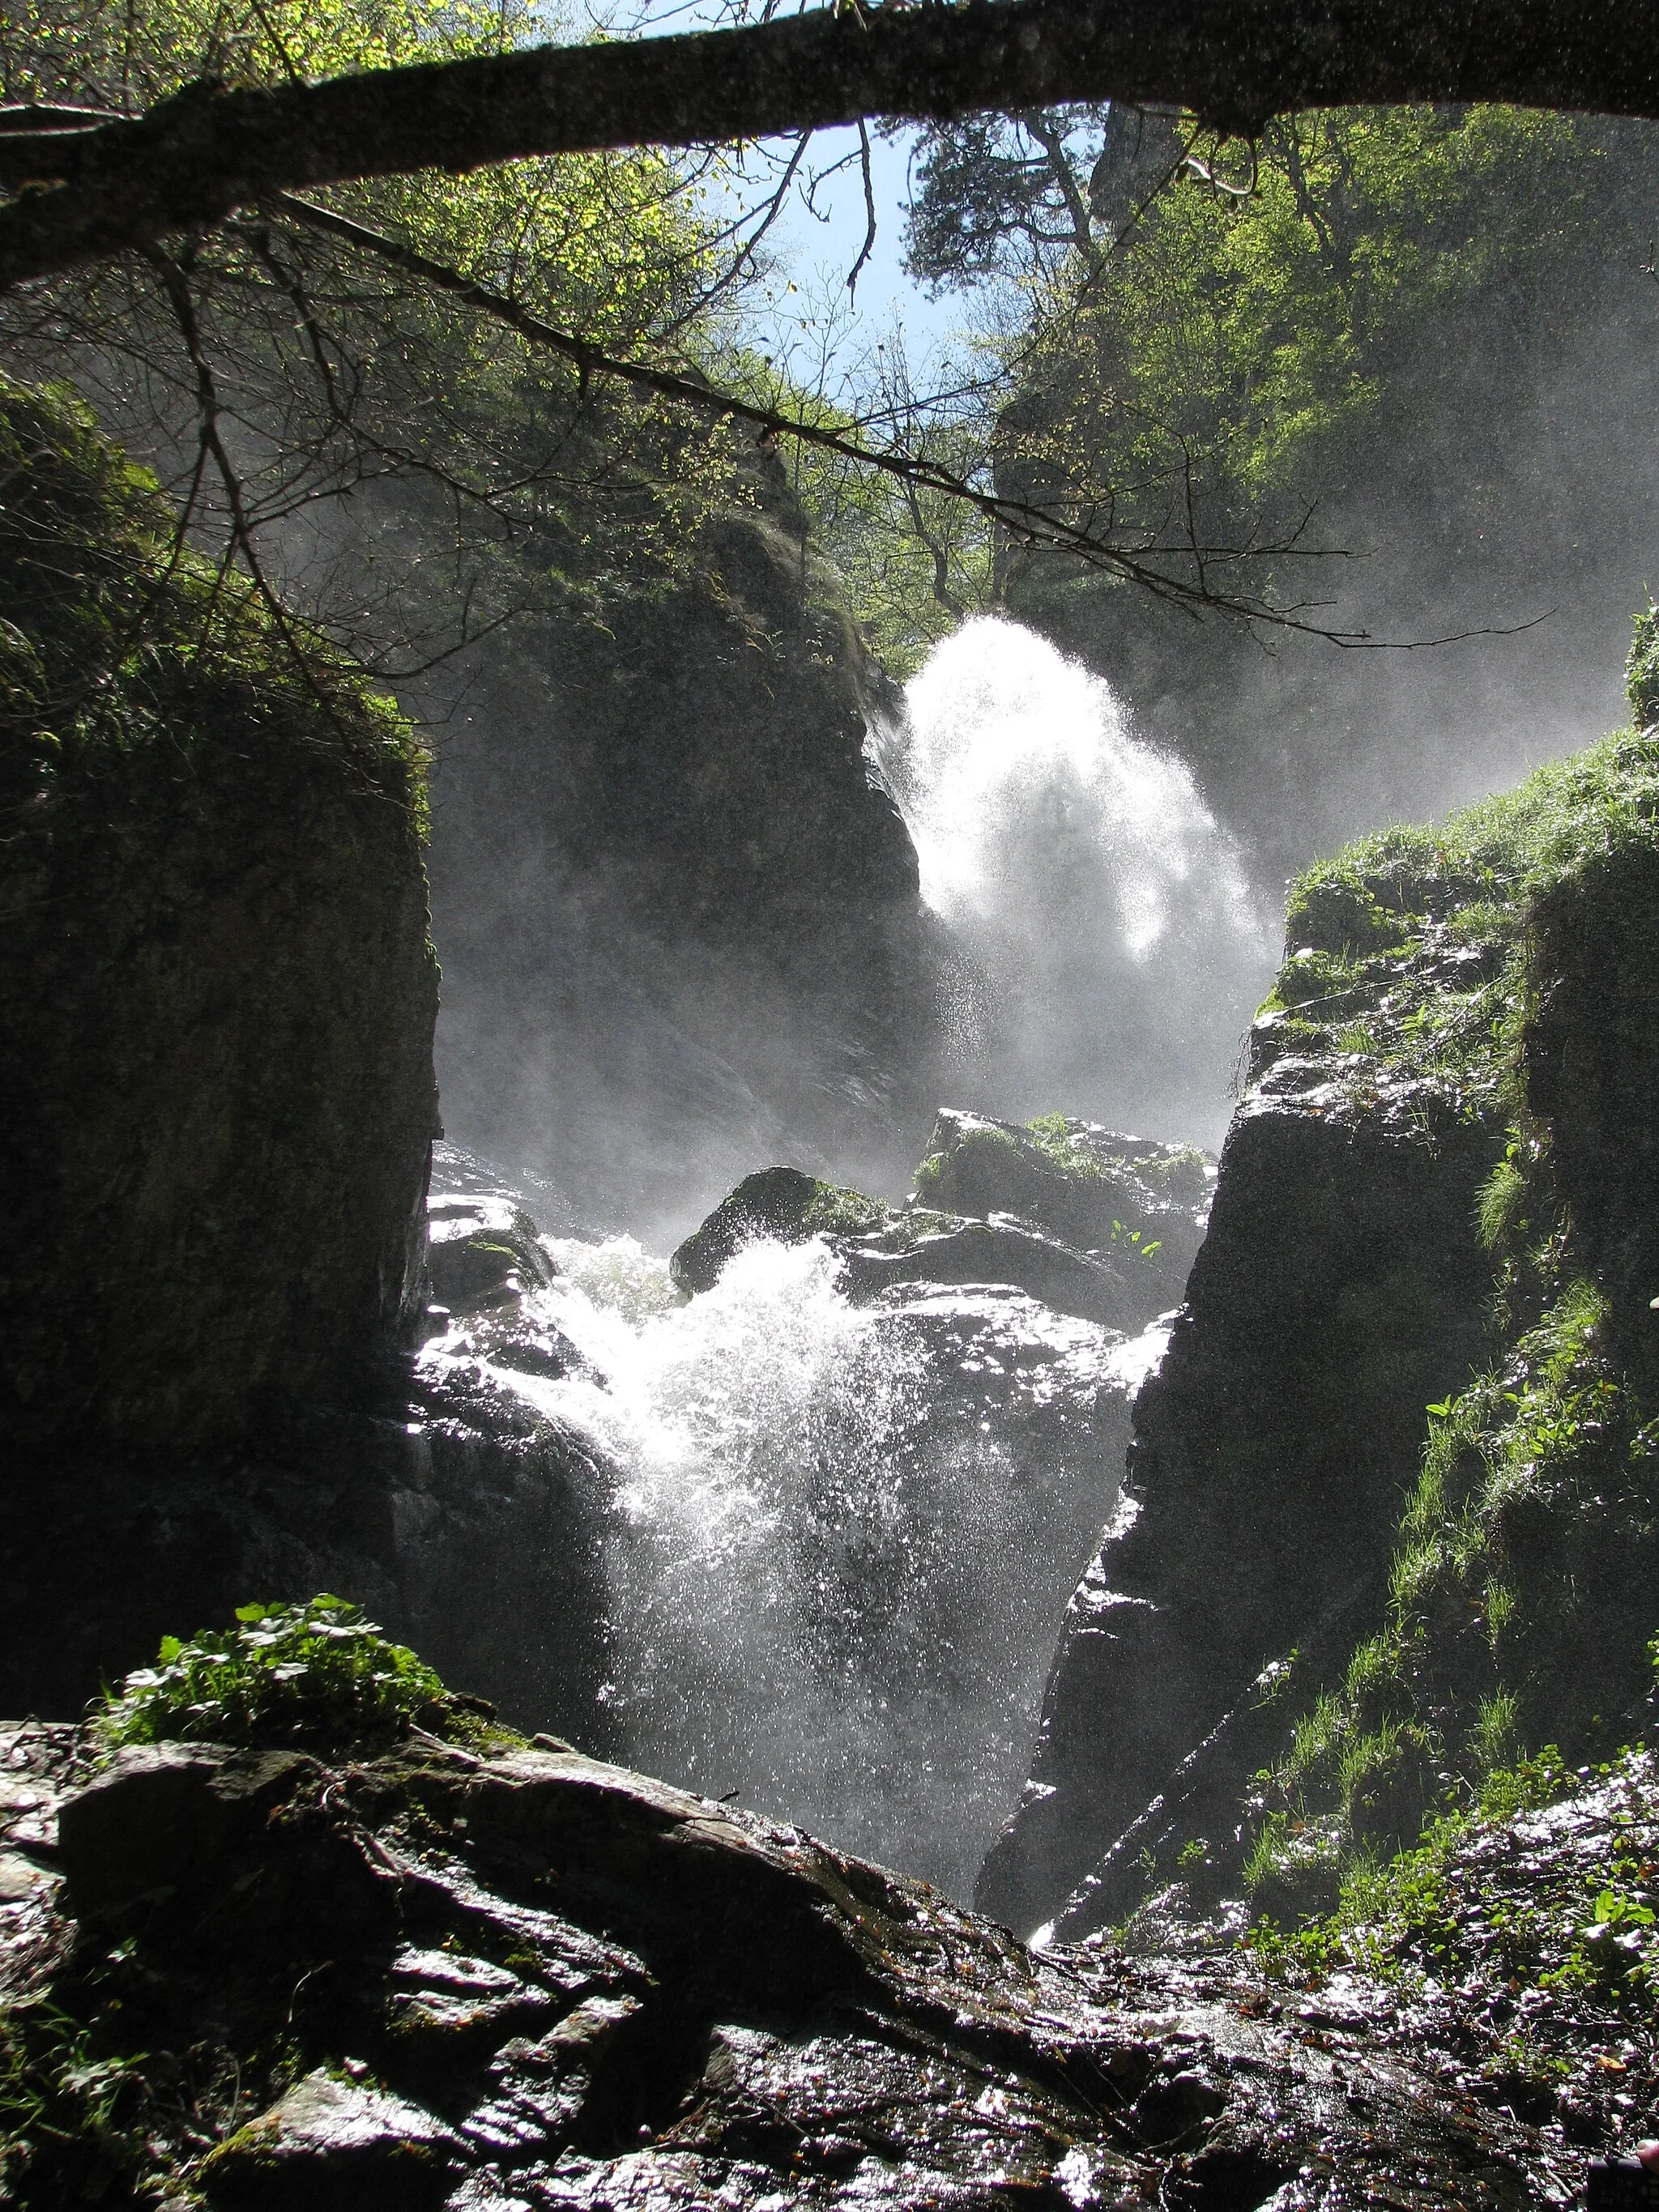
(1356, 980)
(1332, 910)
(1410, 1912)
(115, 642)
(317, 1675)
(1238, 342)
(1527, 1787)
(1064, 1150)
(1501, 1208)
(1495, 1738)
(1642, 670)
(523, 480)
(69, 2109)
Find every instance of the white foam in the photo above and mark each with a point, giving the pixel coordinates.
(843, 1538)
(1081, 870)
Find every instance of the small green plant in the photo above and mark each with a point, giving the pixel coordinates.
(1642, 669)
(1059, 1145)
(299, 1674)
(69, 2111)
(1493, 1739)
(1527, 1786)
(1500, 1209)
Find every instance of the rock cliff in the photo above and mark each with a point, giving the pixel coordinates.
(1325, 1613)
(217, 995)
(681, 924)
(216, 1004)
(1336, 1293)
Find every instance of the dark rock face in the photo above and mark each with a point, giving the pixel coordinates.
(1337, 1292)
(217, 992)
(521, 1977)
(454, 1514)
(439, 1501)
(681, 929)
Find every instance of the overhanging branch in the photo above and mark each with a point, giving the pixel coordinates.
(96, 188)
(1030, 525)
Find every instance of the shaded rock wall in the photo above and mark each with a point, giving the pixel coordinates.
(1337, 1292)
(681, 927)
(1591, 1065)
(452, 1517)
(217, 991)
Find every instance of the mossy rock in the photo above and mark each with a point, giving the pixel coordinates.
(784, 1204)
(1093, 1187)
(1329, 911)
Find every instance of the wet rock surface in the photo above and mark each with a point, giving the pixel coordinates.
(1088, 1221)
(521, 1977)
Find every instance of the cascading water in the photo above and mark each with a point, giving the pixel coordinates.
(837, 1539)
(1117, 947)
(840, 1538)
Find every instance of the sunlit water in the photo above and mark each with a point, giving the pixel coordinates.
(1118, 948)
(840, 1540)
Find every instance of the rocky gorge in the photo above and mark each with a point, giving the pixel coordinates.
(1335, 1840)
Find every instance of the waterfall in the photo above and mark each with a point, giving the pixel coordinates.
(1105, 913)
(840, 1538)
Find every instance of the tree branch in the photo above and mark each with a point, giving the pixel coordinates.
(192, 159)
(1031, 525)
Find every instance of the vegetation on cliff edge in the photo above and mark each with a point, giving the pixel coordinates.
(1502, 964)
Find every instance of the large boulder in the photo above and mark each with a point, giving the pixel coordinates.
(1136, 1199)
(784, 1205)
(217, 993)
(504, 1974)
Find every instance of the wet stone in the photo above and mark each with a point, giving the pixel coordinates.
(331, 2143)
(630, 1998)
